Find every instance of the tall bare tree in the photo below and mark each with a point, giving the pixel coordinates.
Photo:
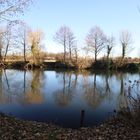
(75, 49)
(1, 46)
(126, 41)
(22, 37)
(61, 38)
(96, 40)
(71, 44)
(65, 37)
(24, 42)
(7, 39)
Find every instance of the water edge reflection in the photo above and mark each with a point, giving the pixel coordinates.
(69, 98)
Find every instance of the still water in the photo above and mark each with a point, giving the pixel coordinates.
(69, 99)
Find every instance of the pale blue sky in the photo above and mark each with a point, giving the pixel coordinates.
(80, 15)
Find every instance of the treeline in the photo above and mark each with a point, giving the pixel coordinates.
(17, 37)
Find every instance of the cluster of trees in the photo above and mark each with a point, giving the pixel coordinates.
(22, 37)
(18, 35)
(96, 41)
(15, 34)
(66, 38)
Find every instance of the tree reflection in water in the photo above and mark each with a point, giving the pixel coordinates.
(129, 92)
(34, 95)
(122, 96)
(25, 87)
(64, 96)
(4, 97)
(95, 92)
(16, 90)
(1, 89)
(89, 97)
(108, 91)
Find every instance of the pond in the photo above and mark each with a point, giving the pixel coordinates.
(66, 98)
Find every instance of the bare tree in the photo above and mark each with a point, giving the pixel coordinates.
(7, 41)
(10, 8)
(22, 33)
(65, 37)
(125, 40)
(110, 45)
(24, 43)
(71, 44)
(1, 46)
(96, 40)
(61, 38)
(75, 49)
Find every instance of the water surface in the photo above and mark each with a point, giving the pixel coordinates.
(69, 99)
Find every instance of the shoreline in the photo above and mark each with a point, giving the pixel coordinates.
(118, 128)
(98, 66)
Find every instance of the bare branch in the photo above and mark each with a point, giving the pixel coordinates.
(11, 8)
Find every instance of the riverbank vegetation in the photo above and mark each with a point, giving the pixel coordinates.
(55, 61)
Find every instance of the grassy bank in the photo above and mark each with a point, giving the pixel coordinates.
(100, 65)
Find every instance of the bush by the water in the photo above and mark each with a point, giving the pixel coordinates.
(132, 113)
(104, 64)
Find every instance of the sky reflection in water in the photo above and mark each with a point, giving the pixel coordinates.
(70, 99)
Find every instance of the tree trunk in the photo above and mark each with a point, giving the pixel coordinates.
(64, 51)
(123, 50)
(24, 52)
(0, 55)
(70, 50)
(108, 52)
(76, 56)
(24, 47)
(108, 63)
(5, 55)
(95, 57)
(70, 53)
